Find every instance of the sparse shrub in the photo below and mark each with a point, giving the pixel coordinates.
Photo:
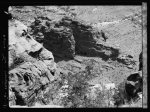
(73, 91)
(118, 98)
(98, 101)
(78, 89)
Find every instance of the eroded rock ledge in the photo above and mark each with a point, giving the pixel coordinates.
(69, 36)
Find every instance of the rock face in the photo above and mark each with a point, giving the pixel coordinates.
(58, 39)
(129, 90)
(134, 85)
(134, 82)
(127, 60)
(31, 66)
(69, 36)
(140, 61)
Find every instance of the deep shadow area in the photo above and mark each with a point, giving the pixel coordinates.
(102, 55)
(59, 58)
(19, 99)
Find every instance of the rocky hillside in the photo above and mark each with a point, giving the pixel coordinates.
(59, 56)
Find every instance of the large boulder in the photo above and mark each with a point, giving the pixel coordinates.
(31, 66)
(134, 85)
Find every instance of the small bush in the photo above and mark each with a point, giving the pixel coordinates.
(78, 89)
(73, 90)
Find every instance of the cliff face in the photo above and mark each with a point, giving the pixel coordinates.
(31, 66)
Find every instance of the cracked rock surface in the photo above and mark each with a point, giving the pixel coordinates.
(30, 66)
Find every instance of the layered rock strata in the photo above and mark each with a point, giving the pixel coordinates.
(31, 66)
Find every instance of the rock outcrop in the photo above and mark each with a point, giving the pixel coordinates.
(134, 82)
(134, 85)
(140, 62)
(127, 60)
(69, 36)
(129, 90)
(58, 39)
(31, 66)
